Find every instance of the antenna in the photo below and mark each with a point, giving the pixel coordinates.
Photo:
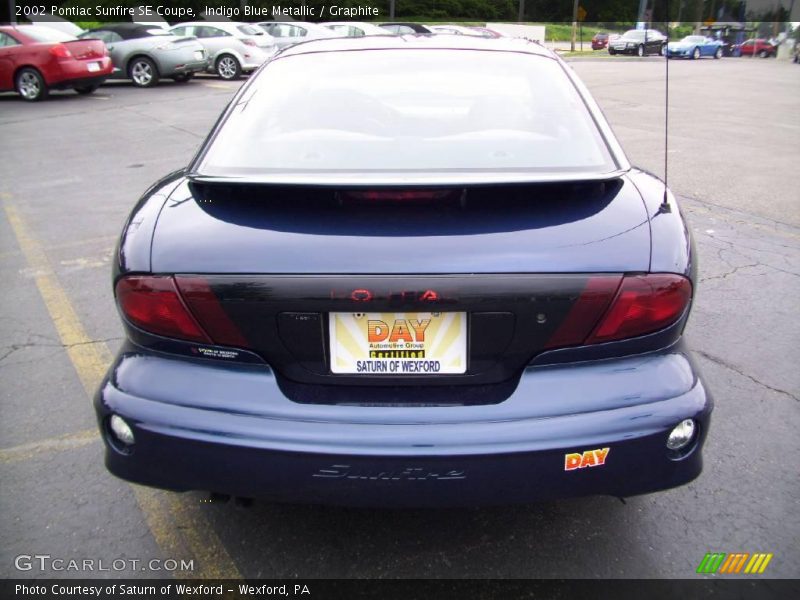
(665, 207)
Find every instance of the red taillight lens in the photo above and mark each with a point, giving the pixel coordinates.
(60, 51)
(154, 304)
(204, 304)
(586, 311)
(643, 304)
(612, 308)
(248, 42)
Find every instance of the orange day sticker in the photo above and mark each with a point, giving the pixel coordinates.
(590, 458)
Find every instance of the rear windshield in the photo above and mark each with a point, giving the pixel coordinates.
(423, 111)
(45, 34)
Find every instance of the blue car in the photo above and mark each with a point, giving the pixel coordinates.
(413, 271)
(694, 47)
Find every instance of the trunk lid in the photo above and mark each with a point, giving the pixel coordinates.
(86, 49)
(543, 228)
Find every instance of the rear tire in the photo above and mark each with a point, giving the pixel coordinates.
(86, 89)
(228, 68)
(31, 85)
(696, 54)
(640, 50)
(611, 51)
(718, 54)
(764, 54)
(663, 50)
(143, 72)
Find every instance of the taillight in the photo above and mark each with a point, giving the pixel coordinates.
(586, 311)
(248, 42)
(643, 304)
(614, 308)
(154, 304)
(204, 305)
(60, 51)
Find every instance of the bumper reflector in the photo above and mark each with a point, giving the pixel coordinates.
(121, 430)
(681, 435)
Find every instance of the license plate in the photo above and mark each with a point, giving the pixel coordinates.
(198, 55)
(93, 67)
(397, 344)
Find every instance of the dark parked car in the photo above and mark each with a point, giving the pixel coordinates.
(387, 293)
(599, 41)
(405, 28)
(35, 59)
(639, 42)
(758, 47)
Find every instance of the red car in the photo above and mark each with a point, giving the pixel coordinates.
(36, 59)
(599, 41)
(759, 47)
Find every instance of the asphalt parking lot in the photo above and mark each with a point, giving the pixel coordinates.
(72, 168)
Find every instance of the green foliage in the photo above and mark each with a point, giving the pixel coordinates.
(681, 31)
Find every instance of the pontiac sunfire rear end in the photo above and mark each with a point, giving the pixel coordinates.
(407, 271)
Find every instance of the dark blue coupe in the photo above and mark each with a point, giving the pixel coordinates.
(407, 271)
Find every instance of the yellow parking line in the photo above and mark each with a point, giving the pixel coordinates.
(219, 86)
(66, 245)
(54, 444)
(178, 528)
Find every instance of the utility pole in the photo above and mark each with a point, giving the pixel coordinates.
(391, 10)
(642, 10)
(574, 25)
(521, 14)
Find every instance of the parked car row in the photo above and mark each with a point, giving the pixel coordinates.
(37, 58)
(641, 42)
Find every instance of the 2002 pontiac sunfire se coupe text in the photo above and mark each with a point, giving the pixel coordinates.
(406, 271)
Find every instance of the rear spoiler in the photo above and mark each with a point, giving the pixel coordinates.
(383, 179)
(235, 191)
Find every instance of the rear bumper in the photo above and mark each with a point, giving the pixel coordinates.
(82, 82)
(211, 426)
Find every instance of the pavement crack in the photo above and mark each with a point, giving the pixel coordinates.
(731, 272)
(90, 342)
(723, 363)
(9, 350)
